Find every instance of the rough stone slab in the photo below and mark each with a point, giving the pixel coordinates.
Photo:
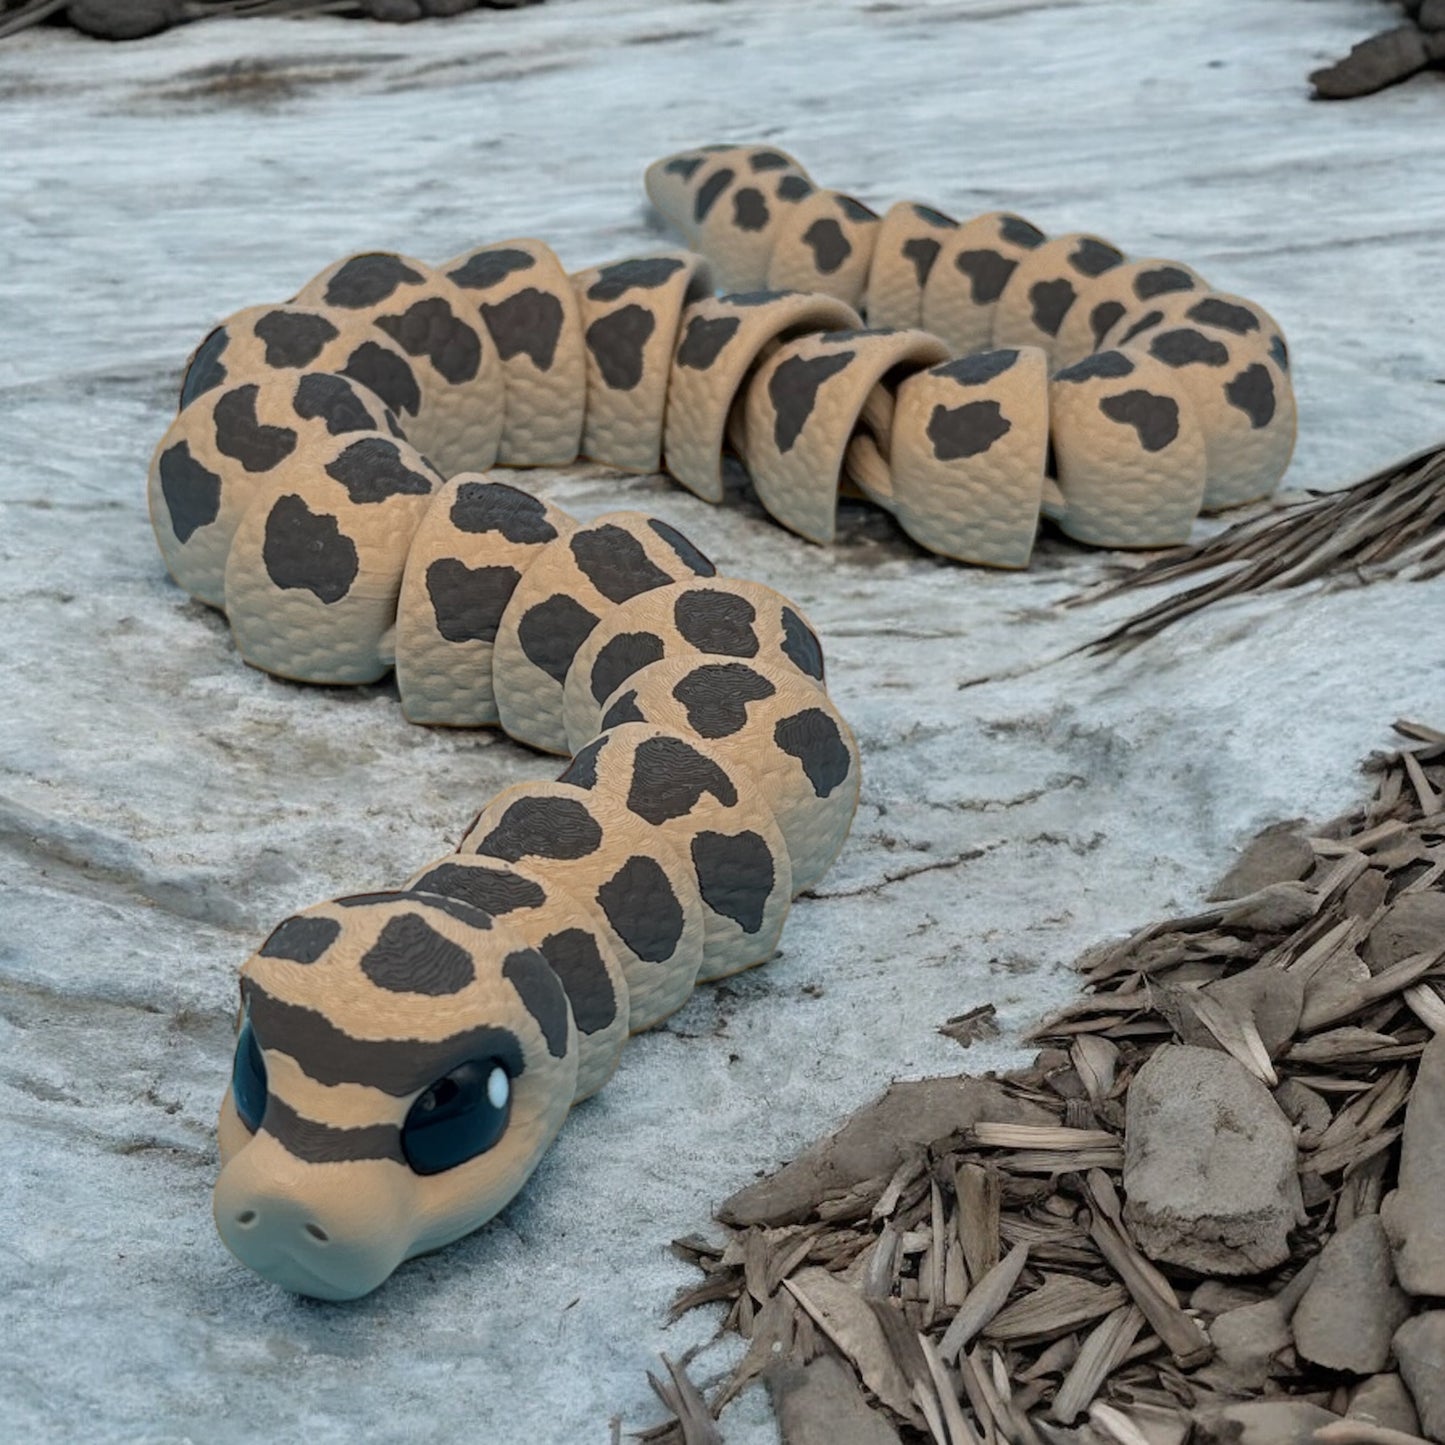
(1413, 1214)
(1280, 854)
(1420, 1351)
(1383, 59)
(1209, 1165)
(1265, 1422)
(1248, 1340)
(875, 1141)
(820, 1403)
(1353, 1307)
(1413, 923)
(1383, 1400)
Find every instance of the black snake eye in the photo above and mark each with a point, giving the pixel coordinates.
(248, 1078)
(460, 1116)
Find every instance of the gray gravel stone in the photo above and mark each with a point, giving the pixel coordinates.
(1413, 1216)
(1278, 855)
(1383, 1400)
(122, 19)
(1262, 1422)
(1383, 59)
(1248, 1340)
(1413, 923)
(1352, 1309)
(1209, 1165)
(1420, 1350)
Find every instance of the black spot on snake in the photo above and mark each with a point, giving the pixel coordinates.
(192, 492)
(669, 778)
(794, 188)
(581, 772)
(542, 996)
(793, 391)
(468, 602)
(1092, 257)
(643, 273)
(619, 658)
(301, 940)
(624, 710)
(735, 876)
(293, 338)
(1161, 281)
(708, 192)
(704, 339)
(716, 697)
(497, 891)
(495, 507)
(931, 217)
(830, 247)
(322, 396)
(750, 210)
(1186, 347)
(641, 906)
(543, 827)
(490, 268)
(368, 280)
(387, 374)
(1279, 352)
(801, 645)
(304, 549)
(988, 274)
(205, 369)
(528, 323)
(551, 632)
(768, 161)
(966, 431)
(1019, 232)
(1147, 320)
(1105, 365)
(617, 341)
(1103, 318)
(1155, 418)
(577, 961)
(683, 166)
(430, 328)
(316, 1143)
(978, 369)
(813, 738)
(1224, 315)
(372, 470)
(691, 557)
(241, 436)
(410, 956)
(1252, 392)
(716, 622)
(922, 251)
(614, 562)
(1049, 302)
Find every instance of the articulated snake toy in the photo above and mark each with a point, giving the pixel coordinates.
(405, 1057)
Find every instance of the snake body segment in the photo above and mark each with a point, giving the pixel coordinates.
(405, 1057)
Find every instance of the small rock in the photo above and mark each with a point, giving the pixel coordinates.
(1420, 1351)
(1271, 996)
(1247, 1342)
(1278, 908)
(1412, 1214)
(122, 19)
(1413, 923)
(1383, 1400)
(1432, 15)
(1209, 1165)
(1353, 1307)
(441, 8)
(1383, 59)
(1278, 855)
(1218, 1296)
(1263, 1422)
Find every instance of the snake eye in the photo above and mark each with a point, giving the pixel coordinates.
(248, 1078)
(460, 1116)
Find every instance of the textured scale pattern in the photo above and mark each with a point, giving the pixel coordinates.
(406, 1056)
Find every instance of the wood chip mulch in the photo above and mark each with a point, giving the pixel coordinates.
(1212, 1209)
(1390, 524)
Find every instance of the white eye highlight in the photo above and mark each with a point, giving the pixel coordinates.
(499, 1088)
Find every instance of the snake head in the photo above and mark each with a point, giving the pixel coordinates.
(402, 1063)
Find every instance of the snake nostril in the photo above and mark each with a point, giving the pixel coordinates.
(316, 1232)
(246, 1216)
